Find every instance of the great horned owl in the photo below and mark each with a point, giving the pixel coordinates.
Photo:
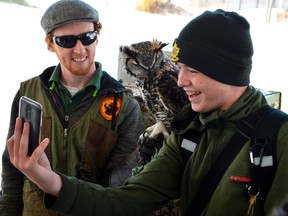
(156, 78)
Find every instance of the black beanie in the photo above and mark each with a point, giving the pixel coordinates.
(217, 44)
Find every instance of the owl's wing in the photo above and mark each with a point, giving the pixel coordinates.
(172, 96)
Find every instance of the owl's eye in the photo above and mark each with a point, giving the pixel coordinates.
(133, 63)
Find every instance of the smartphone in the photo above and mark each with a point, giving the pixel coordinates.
(31, 111)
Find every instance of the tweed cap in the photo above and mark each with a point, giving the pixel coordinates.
(67, 11)
(217, 43)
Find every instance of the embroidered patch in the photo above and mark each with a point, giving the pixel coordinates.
(240, 179)
(106, 107)
(175, 52)
(188, 145)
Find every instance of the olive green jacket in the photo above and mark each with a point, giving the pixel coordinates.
(167, 177)
(89, 144)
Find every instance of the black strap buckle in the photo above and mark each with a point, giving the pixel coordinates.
(258, 146)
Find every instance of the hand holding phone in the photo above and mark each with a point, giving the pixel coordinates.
(31, 111)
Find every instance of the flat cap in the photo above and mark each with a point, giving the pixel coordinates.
(67, 11)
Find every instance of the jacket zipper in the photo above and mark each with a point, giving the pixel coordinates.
(66, 119)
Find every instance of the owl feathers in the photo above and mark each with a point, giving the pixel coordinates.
(156, 78)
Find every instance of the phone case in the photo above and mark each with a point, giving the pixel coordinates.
(31, 111)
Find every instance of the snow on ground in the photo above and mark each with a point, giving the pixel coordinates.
(24, 54)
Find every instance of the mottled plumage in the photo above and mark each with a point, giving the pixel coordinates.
(156, 78)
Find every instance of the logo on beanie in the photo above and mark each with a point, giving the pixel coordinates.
(175, 52)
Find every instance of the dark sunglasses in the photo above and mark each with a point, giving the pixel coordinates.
(69, 41)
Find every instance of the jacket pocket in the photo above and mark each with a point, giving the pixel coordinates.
(96, 153)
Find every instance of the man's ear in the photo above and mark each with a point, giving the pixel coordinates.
(49, 43)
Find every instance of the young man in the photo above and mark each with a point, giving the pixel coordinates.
(92, 121)
(214, 52)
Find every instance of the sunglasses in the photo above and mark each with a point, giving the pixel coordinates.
(69, 41)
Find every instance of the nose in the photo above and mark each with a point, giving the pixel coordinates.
(79, 47)
(182, 78)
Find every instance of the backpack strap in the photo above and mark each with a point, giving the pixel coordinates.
(244, 132)
(192, 137)
(114, 110)
(189, 142)
(263, 155)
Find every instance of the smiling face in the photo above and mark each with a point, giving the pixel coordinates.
(205, 93)
(78, 60)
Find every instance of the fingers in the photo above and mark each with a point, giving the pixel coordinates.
(17, 137)
(21, 138)
(43, 159)
(18, 143)
(39, 150)
(37, 167)
(13, 143)
(10, 146)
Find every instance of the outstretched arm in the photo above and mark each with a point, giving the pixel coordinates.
(143, 193)
(37, 167)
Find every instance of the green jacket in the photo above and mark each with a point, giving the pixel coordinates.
(87, 144)
(166, 177)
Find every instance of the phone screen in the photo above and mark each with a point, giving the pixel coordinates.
(31, 111)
